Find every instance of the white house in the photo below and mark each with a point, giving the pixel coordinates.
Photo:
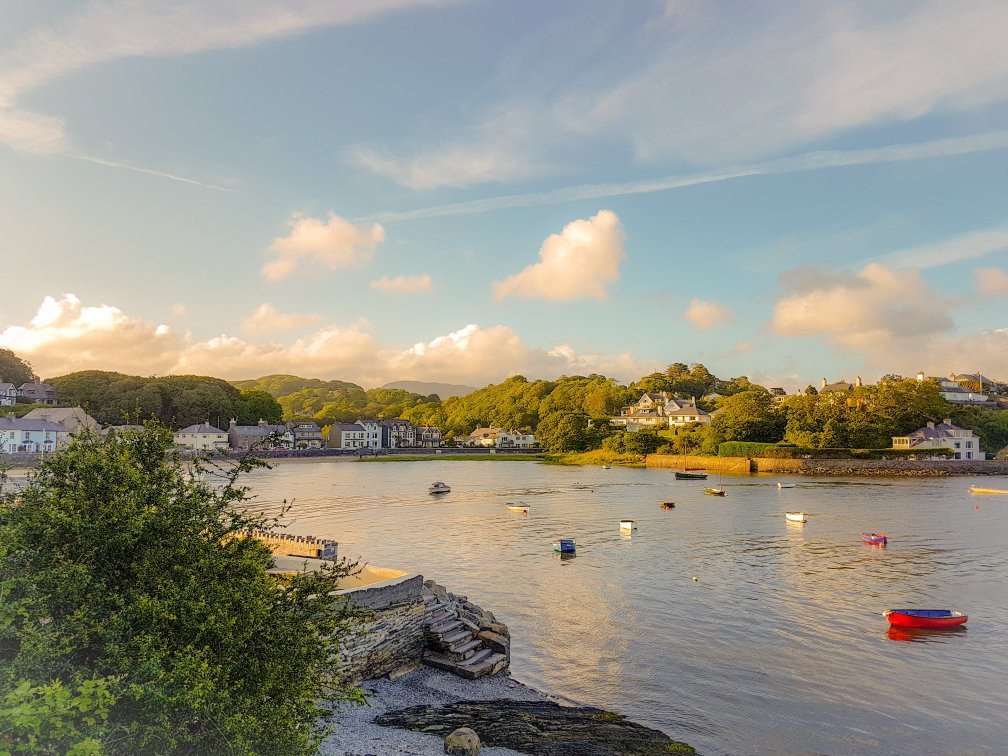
(687, 413)
(202, 437)
(659, 411)
(373, 431)
(33, 436)
(8, 394)
(942, 435)
(347, 436)
(523, 439)
(952, 391)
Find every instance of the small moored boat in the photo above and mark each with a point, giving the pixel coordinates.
(715, 492)
(439, 488)
(666, 504)
(785, 485)
(795, 517)
(690, 475)
(932, 618)
(564, 546)
(875, 539)
(606, 466)
(628, 525)
(978, 490)
(521, 506)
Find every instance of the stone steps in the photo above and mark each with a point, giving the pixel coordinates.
(437, 619)
(451, 639)
(460, 637)
(461, 651)
(444, 628)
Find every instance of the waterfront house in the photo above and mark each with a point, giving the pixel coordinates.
(19, 434)
(943, 435)
(202, 437)
(953, 391)
(397, 434)
(660, 410)
(687, 413)
(307, 434)
(428, 436)
(347, 436)
(8, 394)
(481, 436)
(74, 419)
(523, 438)
(36, 393)
(262, 435)
(374, 434)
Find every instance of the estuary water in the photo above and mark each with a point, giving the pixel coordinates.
(778, 646)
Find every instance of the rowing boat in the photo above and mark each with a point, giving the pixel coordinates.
(795, 516)
(519, 507)
(875, 539)
(933, 618)
(715, 492)
(978, 490)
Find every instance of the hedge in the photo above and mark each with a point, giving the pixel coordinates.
(776, 451)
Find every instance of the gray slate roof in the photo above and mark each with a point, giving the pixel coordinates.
(30, 424)
(202, 428)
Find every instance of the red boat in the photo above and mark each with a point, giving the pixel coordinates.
(876, 539)
(933, 618)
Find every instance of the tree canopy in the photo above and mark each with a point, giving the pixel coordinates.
(134, 618)
(14, 370)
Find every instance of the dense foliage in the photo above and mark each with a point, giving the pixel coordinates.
(174, 400)
(135, 619)
(14, 370)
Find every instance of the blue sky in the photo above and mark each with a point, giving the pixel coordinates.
(463, 191)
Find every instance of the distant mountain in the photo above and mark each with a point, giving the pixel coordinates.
(443, 390)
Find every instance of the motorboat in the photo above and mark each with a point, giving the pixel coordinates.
(439, 488)
(929, 618)
(521, 506)
(686, 475)
(785, 485)
(715, 492)
(875, 539)
(795, 517)
(978, 490)
(628, 525)
(565, 546)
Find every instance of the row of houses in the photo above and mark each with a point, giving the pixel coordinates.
(26, 393)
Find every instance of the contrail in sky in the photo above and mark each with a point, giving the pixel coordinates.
(809, 161)
(150, 172)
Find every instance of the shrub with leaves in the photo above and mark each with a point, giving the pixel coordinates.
(135, 617)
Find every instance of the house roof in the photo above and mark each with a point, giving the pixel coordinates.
(62, 414)
(7, 386)
(30, 424)
(202, 428)
(929, 433)
(690, 410)
(840, 385)
(346, 427)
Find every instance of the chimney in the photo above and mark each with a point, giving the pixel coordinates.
(857, 381)
(823, 383)
(947, 421)
(234, 422)
(920, 375)
(930, 424)
(262, 423)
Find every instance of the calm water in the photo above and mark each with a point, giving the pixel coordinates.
(778, 646)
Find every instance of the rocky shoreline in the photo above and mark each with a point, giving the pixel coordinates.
(432, 703)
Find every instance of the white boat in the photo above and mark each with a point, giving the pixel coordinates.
(628, 525)
(606, 466)
(439, 488)
(796, 516)
(521, 506)
(785, 485)
(978, 490)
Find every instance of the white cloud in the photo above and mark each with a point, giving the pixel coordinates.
(334, 243)
(966, 246)
(267, 319)
(712, 87)
(577, 263)
(179, 310)
(991, 282)
(404, 284)
(882, 313)
(66, 336)
(704, 314)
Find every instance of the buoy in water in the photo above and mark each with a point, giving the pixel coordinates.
(695, 578)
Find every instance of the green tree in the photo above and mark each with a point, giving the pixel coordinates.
(254, 405)
(749, 416)
(563, 432)
(136, 616)
(14, 370)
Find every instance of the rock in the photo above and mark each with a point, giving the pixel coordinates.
(543, 728)
(495, 641)
(462, 742)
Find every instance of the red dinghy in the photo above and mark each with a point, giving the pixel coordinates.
(933, 618)
(876, 539)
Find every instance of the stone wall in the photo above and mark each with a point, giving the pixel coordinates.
(677, 462)
(394, 636)
(902, 467)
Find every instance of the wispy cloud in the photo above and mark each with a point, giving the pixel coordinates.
(152, 172)
(403, 284)
(967, 246)
(810, 161)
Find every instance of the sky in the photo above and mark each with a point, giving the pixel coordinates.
(461, 191)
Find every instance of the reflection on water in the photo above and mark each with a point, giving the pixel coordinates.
(778, 646)
(923, 634)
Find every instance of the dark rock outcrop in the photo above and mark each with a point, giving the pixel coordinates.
(538, 727)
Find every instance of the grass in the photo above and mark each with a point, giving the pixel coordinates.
(598, 457)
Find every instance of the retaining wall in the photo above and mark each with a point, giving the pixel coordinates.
(677, 462)
(394, 637)
(838, 467)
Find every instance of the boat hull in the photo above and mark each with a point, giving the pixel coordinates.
(925, 618)
(785, 485)
(518, 508)
(986, 491)
(715, 492)
(795, 517)
(874, 539)
(690, 476)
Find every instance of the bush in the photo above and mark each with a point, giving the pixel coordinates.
(134, 615)
(744, 448)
